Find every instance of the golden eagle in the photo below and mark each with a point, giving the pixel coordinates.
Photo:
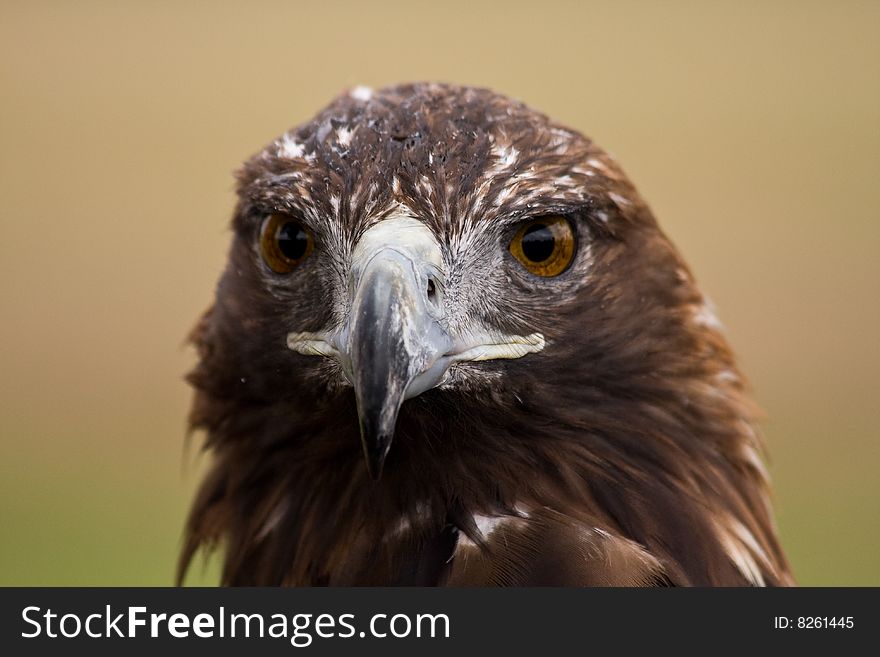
(476, 300)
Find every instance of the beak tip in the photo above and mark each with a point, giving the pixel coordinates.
(376, 447)
(374, 470)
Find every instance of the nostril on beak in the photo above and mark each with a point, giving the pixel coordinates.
(432, 289)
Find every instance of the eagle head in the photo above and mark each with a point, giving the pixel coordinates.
(479, 298)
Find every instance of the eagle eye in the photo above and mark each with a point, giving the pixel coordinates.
(285, 243)
(545, 246)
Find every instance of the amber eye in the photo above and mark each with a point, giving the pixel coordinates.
(545, 246)
(285, 243)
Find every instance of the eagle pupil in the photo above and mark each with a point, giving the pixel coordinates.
(292, 240)
(538, 243)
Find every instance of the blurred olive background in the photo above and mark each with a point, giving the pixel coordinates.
(753, 129)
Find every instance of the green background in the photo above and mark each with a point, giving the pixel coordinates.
(752, 128)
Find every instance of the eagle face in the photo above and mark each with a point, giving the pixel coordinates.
(479, 297)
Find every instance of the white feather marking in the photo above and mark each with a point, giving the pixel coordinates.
(751, 456)
(619, 200)
(424, 184)
(289, 148)
(727, 376)
(503, 195)
(488, 525)
(361, 93)
(343, 135)
(564, 181)
(749, 451)
(704, 315)
(323, 130)
(505, 156)
(599, 165)
(743, 549)
(506, 159)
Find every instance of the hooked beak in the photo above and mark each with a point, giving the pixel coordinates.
(394, 346)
